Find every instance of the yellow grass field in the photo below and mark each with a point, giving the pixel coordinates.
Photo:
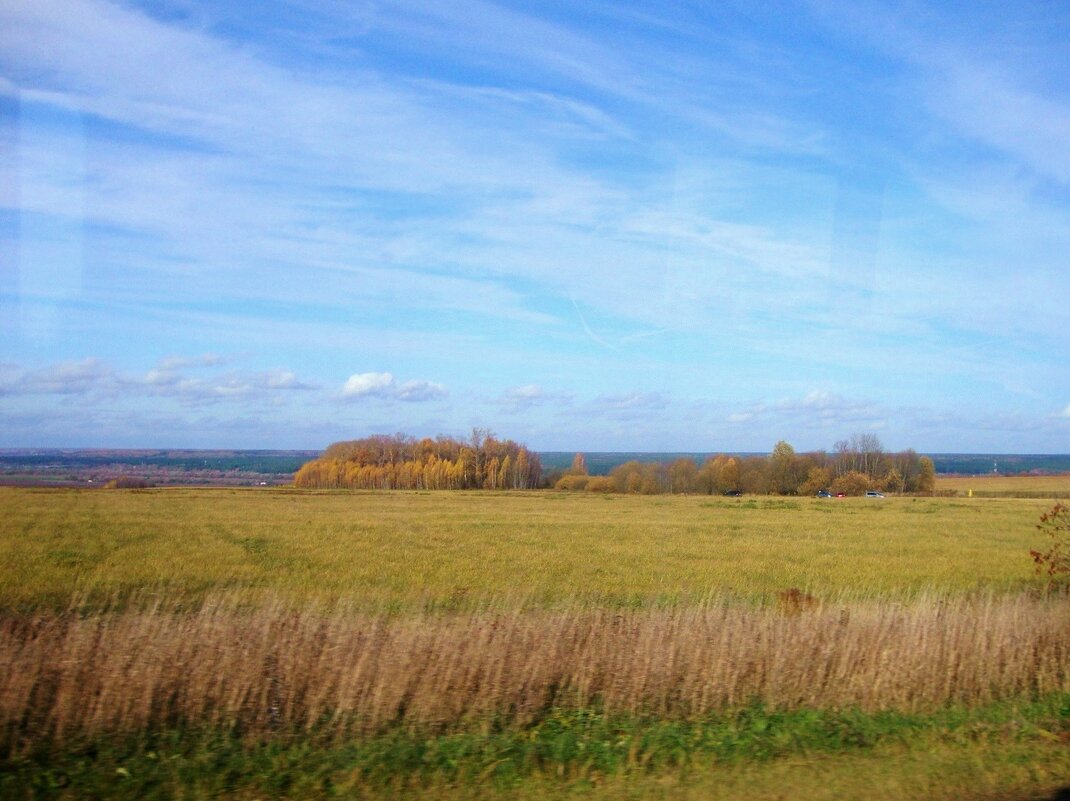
(407, 550)
(1024, 486)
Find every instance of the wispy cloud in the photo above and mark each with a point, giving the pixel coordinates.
(817, 409)
(629, 406)
(93, 378)
(64, 378)
(526, 397)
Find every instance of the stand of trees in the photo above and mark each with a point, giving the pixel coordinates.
(403, 462)
(857, 465)
(485, 462)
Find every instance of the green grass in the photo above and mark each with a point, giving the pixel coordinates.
(578, 750)
(407, 550)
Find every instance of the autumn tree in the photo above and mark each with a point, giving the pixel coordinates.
(906, 464)
(579, 466)
(853, 482)
(627, 477)
(754, 476)
(400, 462)
(683, 475)
(862, 453)
(892, 481)
(926, 475)
(729, 478)
(706, 480)
(783, 476)
(817, 479)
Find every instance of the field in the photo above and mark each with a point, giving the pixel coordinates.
(274, 643)
(410, 550)
(1056, 486)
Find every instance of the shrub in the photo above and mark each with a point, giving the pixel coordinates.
(851, 483)
(1055, 561)
(572, 482)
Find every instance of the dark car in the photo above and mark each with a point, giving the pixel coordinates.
(734, 493)
(823, 494)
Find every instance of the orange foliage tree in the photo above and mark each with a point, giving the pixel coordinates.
(404, 462)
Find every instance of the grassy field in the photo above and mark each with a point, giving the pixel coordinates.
(282, 644)
(1007, 486)
(408, 550)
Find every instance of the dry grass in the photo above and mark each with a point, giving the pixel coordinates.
(1007, 486)
(338, 672)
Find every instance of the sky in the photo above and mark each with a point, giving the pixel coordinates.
(595, 226)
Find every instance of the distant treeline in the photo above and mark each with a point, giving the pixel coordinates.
(403, 462)
(600, 463)
(856, 466)
(486, 462)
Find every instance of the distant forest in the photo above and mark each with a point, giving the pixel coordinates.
(857, 465)
(485, 462)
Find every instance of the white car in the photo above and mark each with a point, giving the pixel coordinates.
(874, 494)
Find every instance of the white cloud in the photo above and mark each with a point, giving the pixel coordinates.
(419, 391)
(360, 385)
(1065, 412)
(280, 379)
(157, 377)
(234, 385)
(386, 387)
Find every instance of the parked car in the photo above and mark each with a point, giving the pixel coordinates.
(823, 494)
(874, 494)
(734, 493)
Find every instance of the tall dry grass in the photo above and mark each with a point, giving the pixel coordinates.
(337, 672)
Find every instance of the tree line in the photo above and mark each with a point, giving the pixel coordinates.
(483, 461)
(856, 465)
(404, 462)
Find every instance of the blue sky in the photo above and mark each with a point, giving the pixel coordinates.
(598, 226)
